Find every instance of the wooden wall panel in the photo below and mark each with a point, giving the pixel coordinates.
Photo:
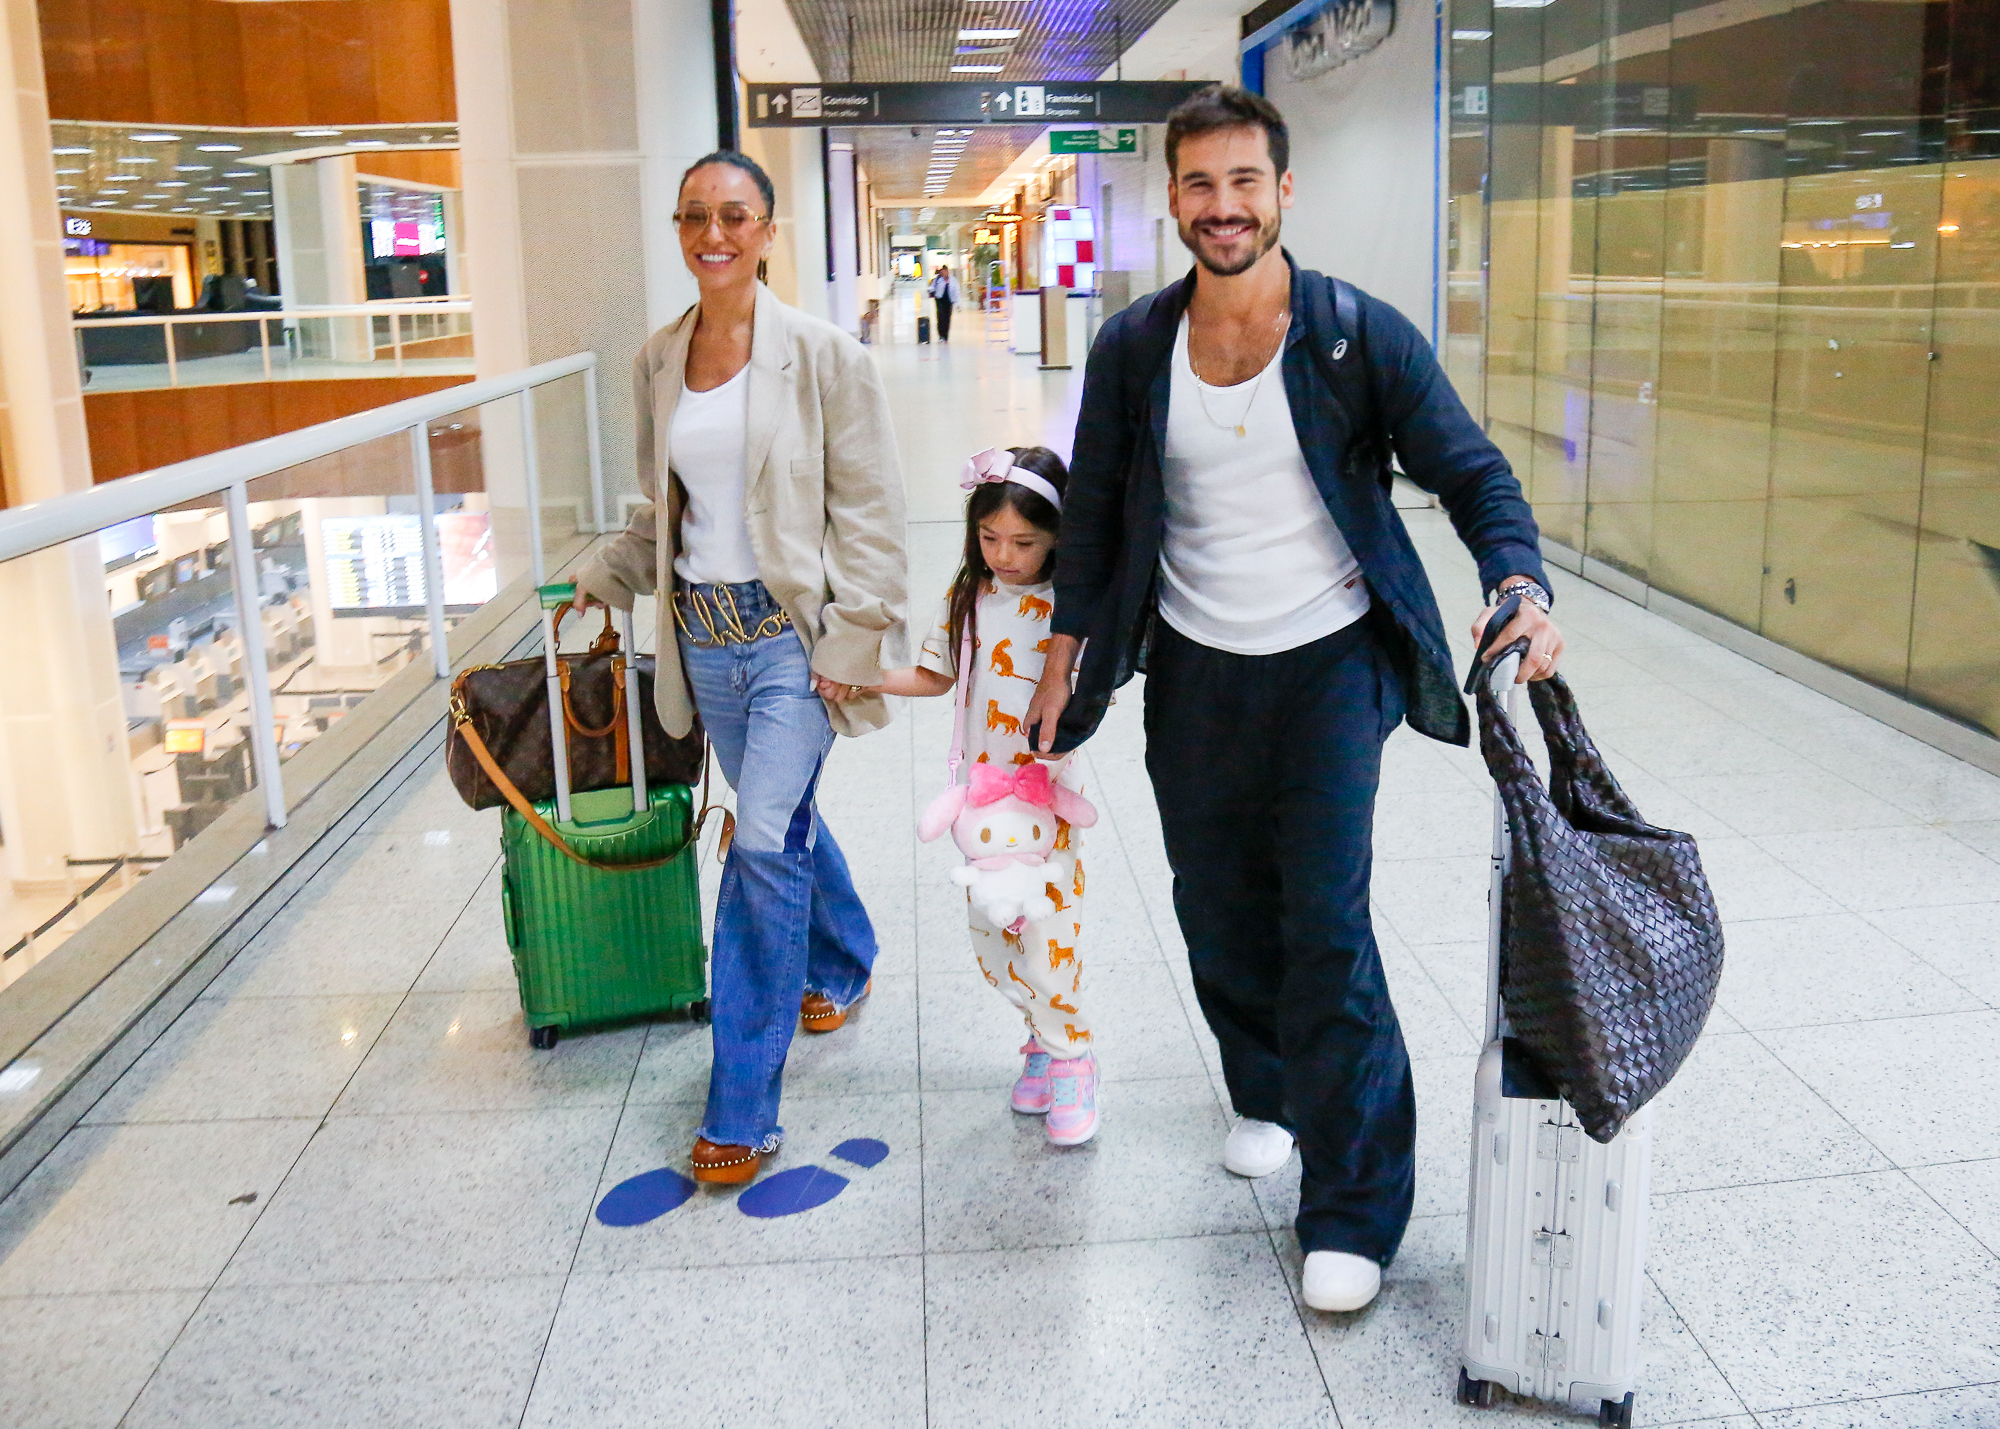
(137, 431)
(274, 63)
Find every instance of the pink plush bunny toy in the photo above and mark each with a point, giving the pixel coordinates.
(1004, 822)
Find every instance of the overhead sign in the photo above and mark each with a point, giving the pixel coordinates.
(1093, 141)
(785, 106)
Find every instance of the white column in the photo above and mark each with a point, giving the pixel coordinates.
(65, 779)
(842, 292)
(317, 211)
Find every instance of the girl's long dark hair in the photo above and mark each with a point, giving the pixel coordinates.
(987, 499)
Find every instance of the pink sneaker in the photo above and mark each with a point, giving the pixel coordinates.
(1072, 1100)
(1031, 1093)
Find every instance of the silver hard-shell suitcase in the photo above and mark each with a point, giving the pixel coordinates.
(1555, 1242)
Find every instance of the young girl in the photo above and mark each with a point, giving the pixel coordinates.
(1003, 596)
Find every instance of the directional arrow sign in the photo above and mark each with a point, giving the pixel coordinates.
(1093, 141)
(956, 102)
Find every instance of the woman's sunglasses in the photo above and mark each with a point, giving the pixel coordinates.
(735, 218)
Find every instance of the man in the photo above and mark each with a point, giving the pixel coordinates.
(944, 291)
(1228, 529)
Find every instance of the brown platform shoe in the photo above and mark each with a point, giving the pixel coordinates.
(724, 1165)
(819, 1014)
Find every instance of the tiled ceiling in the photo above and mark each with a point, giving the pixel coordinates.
(919, 39)
(216, 173)
(924, 39)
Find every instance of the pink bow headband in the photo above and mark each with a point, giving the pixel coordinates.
(993, 782)
(996, 464)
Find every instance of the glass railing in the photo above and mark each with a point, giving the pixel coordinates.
(408, 337)
(181, 634)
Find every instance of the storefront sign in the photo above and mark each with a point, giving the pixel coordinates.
(774, 106)
(186, 736)
(1093, 141)
(77, 227)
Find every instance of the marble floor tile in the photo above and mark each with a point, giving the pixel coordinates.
(1139, 1028)
(1620, 709)
(1749, 883)
(149, 1207)
(1970, 1193)
(1911, 775)
(473, 956)
(1734, 1115)
(321, 949)
(1960, 940)
(992, 1181)
(432, 1198)
(425, 1355)
(1396, 1363)
(1800, 801)
(801, 1345)
(1431, 1026)
(1434, 900)
(77, 1361)
(1980, 834)
(468, 1051)
(259, 1057)
(1922, 1089)
(1977, 1407)
(1833, 967)
(1198, 1331)
(1831, 1288)
(879, 1213)
(1702, 751)
(1439, 823)
(1914, 868)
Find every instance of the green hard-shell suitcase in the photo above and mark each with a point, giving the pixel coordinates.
(597, 945)
(601, 902)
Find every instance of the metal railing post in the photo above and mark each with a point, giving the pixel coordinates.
(532, 473)
(596, 446)
(248, 582)
(420, 463)
(173, 370)
(396, 339)
(264, 338)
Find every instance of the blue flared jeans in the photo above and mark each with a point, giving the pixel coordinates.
(787, 918)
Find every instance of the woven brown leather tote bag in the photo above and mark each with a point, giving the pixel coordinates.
(1611, 948)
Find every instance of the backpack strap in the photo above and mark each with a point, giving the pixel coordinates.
(1340, 350)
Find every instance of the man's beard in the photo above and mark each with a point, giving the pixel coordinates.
(1265, 240)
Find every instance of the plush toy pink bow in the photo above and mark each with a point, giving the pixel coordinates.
(993, 782)
(993, 464)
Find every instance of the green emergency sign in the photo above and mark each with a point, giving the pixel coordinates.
(1093, 141)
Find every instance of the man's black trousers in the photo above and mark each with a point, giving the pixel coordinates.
(1265, 768)
(943, 318)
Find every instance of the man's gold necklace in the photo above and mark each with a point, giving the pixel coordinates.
(1241, 428)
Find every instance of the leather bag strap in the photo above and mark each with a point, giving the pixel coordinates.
(513, 795)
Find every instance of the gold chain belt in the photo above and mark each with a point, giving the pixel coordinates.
(719, 620)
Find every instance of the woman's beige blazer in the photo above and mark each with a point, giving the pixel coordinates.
(823, 496)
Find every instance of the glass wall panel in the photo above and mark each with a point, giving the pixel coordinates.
(1742, 329)
(128, 732)
(1471, 79)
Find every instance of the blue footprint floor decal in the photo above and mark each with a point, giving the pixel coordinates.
(647, 1197)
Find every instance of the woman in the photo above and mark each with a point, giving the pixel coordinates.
(782, 551)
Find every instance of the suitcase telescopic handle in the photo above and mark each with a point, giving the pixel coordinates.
(554, 597)
(633, 720)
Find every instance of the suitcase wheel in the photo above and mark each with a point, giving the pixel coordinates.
(1477, 1392)
(543, 1038)
(1615, 1411)
(698, 1011)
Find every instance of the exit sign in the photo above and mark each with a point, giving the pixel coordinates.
(1093, 141)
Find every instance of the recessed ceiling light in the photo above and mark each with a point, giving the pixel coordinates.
(977, 69)
(220, 148)
(1472, 34)
(104, 203)
(69, 171)
(989, 34)
(314, 133)
(121, 178)
(194, 168)
(174, 184)
(145, 205)
(240, 174)
(156, 138)
(69, 151)
(137, 159)
(209, 189)
(367, 143)
(114, 191)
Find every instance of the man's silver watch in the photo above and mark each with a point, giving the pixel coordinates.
(1532, 591)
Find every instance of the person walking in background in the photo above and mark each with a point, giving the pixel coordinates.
(1230, 479)
(945, 292)
(773, 527)
(997, 614)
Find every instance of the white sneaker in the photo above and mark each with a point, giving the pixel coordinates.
(1256, 1148)
(1335, 1280)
